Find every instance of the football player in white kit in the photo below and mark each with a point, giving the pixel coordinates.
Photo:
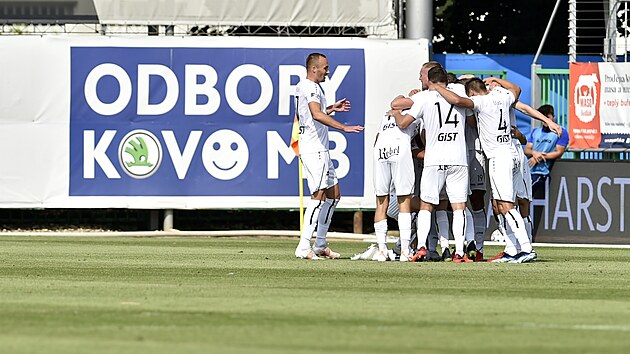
(477, 181)
(401, 103)
(445, 161)
(522, 179)
(492, 108)
(314, 120)
(475, 219)
(524, 188)
(393, 167)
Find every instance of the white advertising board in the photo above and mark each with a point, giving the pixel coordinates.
(79, 117)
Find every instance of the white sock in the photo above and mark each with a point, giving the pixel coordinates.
(380, 229)
(323, 222)
(404, 225)
(479, 219)
(310, 223)
(441, 219)
(424, 225)
(510, 240)
(516, 223)
(459, 226)
(470, 227)
(528, 227)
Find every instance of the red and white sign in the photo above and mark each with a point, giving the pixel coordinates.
(599, 110)
(584, 128)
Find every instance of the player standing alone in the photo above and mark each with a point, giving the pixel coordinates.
(314, 120)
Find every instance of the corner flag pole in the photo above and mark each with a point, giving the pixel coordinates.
(295, 138)
(301, 188)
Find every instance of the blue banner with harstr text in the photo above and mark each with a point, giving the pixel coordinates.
(201, 121)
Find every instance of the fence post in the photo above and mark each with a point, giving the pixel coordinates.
(358, 222)
(168, 220)
(536, 91)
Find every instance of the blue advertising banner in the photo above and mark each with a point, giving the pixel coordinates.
(201, 121)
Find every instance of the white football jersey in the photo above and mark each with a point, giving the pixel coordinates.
(493, 121)
(517, 144)
(389, 131)
(444, 127)
(472, 138)
(313, 134)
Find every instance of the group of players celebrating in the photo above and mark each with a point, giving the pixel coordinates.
(463, 126)
(431, 150)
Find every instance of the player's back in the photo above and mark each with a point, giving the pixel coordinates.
(390, 131)
(444, 128)
(493, 122)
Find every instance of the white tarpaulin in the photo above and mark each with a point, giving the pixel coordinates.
(246, 12)
(77, 114)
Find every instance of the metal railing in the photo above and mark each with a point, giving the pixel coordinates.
(608, 154)
(600, 28)
(482, 73)
(554, 90)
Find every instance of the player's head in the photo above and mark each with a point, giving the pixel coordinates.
(492, 85)
(463, 79)
(437, 74)
(317, 67)
(476, 87)
(547, 111)
(452, 79)
(425, 70)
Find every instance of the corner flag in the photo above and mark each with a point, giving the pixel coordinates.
(295, 136)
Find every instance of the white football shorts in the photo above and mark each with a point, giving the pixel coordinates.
(523, 180)
(455, 177)
(477, 170)
(319, 170)
(393, 166)
(502, 171)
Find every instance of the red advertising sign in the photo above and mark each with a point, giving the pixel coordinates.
(585, 88)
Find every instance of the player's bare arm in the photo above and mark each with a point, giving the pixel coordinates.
(518, 135)
(555, 154)
(510, 86)
(527, 109)
(471, 120)
(343, 105)
(418, 153)
(329, 121)
(534, 156)
(451, 97)
(403, 120)
(401, 102)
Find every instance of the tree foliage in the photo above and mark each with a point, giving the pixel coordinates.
(498, 26)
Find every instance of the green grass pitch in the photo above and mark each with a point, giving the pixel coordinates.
(247, 295)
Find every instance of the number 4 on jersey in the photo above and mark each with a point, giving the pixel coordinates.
(502, 122)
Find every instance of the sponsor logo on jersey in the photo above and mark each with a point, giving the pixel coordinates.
(386, 153)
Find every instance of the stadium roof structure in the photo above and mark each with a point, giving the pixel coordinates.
(218, 17)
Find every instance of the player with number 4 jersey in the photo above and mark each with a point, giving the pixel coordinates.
(492, 109)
